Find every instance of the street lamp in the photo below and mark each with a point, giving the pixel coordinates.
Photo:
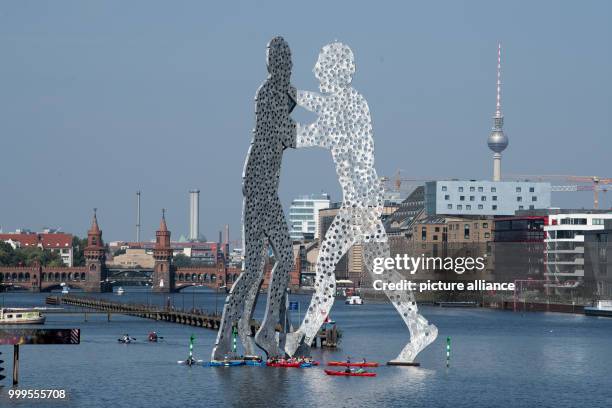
(217, 295)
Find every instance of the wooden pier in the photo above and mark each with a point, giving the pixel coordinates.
(327, 337)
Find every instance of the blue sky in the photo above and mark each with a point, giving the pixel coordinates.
(100, 99)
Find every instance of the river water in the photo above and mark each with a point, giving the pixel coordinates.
(499, 359)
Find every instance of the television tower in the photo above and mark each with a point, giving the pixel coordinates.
(497, 140)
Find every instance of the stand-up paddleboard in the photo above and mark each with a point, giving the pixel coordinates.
(190, 361)
(184, 362)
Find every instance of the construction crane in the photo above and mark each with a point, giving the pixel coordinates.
(403, 184)
(595, 186)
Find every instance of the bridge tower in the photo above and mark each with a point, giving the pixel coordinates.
(163, 273)
(95, 259)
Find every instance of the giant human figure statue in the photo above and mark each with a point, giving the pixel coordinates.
(344, 126)
(263, 220)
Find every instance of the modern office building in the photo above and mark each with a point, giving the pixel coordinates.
(518, 250)
(304, 216)
(598, 261)
(565, 246)
(472, 197)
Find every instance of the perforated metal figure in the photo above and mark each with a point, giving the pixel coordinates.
(344, 126)
(263, 220)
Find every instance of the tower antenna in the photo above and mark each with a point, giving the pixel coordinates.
(497, 140)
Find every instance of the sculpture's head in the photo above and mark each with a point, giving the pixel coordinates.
(335, 67)
(278, 55)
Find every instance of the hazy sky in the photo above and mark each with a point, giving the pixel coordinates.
(100, 99)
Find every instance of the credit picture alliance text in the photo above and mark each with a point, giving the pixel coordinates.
(438, 286)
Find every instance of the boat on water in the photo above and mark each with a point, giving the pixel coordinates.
(600, 308)
(126, 339)
(350, 374)
(21, 316)
(120, 291)
(65, 290)
(225, 363)
(345, 364)
(354, 300)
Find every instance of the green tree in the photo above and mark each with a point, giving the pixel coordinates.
(78, 249)
(7, 254)
(32, 255)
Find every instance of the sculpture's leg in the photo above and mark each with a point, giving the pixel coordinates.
(421, 332)
(241, 290)
(338, 240)
(244, 323)
(266, 336)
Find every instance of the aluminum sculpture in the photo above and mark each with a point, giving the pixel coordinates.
(263, 218)
(344, 127)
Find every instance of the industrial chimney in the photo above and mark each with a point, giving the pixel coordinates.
(194, 215)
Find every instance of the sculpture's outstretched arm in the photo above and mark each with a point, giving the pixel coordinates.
(311, 101)
(311, 135)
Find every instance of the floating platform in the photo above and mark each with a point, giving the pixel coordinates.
(403, 363)
(457, 304)
(595, 311)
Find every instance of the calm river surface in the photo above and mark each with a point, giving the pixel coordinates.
(499, 359)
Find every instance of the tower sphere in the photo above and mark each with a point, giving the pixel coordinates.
(497, 140)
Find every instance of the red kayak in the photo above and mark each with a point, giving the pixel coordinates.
(285, 365)
(351, 374)
(345, 364)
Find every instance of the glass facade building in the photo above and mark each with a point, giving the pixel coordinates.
(304, 216)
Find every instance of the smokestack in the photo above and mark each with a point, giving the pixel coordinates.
(138, 216)
(194, 215)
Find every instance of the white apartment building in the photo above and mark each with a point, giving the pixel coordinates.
(565, 246)
(304, 216)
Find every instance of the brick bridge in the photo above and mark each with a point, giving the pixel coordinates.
(44, 279)
(41, 279)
